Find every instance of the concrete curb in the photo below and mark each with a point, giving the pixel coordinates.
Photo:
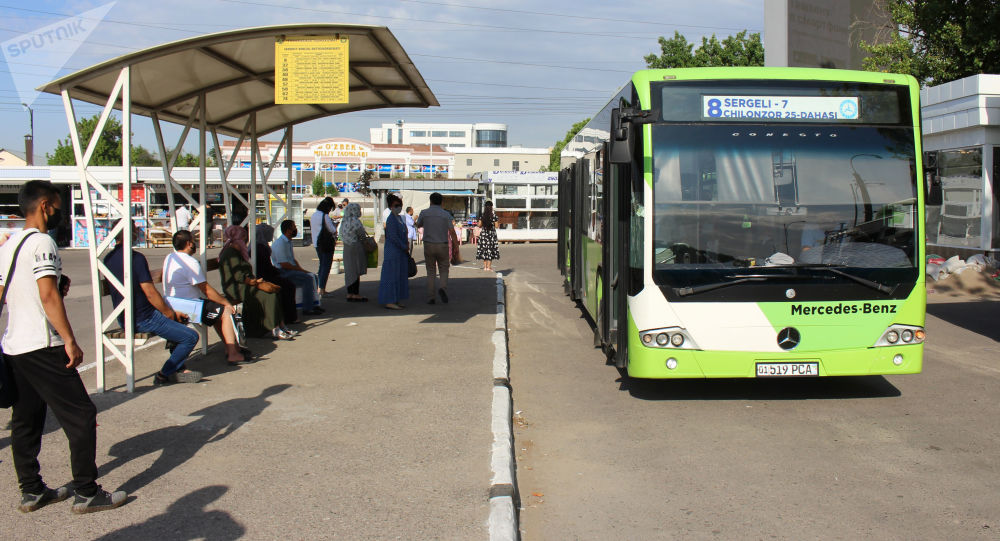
(503, 485)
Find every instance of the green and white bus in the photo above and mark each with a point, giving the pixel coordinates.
(750, 222)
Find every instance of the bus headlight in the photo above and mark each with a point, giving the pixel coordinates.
(899, 335)
(667, 338)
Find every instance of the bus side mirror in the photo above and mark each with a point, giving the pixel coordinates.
(934, 196)
(622, 138)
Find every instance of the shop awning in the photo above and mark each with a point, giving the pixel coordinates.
(235, 70)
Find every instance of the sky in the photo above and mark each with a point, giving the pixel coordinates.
(536, 66)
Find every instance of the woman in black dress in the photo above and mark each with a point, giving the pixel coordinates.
(488, 249)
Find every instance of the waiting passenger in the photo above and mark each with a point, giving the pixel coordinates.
(152, 314)
(188, 291)
(284, 259)
(261, 299)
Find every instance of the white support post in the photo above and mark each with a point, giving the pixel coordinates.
(206, 228)
(251, 218)
(98, 271)
(226, 166)
(127, 226)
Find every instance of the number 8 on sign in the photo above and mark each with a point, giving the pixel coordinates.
(714, 108)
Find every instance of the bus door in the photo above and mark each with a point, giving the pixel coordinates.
(563, 222)
(614, 318)
(579, 229)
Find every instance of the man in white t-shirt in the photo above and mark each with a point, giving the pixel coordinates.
(43, 354)
(183, 218)
(183, 279)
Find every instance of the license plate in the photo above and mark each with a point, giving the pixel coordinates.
(778, 370)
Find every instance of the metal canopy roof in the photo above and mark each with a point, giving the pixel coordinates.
(235, 70)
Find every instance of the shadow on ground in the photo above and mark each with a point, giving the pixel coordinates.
(468, 297)
(185, 519)
(759, 389)
(980, 317)
(178, 444)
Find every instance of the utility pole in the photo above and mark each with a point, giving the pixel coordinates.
(29, 140)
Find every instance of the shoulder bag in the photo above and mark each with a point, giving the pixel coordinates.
(326, 242)
(411, 266)
(370, 244)
(8, 389)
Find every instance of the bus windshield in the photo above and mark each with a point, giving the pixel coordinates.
(750, 195)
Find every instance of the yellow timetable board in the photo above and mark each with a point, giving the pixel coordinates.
(311, 70)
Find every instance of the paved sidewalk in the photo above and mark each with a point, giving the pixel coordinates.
(371, 424)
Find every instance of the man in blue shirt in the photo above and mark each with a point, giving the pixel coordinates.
(152, 314)
(284, 259)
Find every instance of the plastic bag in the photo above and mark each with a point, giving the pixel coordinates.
(373, 259)
(952, 264)
(935, 272)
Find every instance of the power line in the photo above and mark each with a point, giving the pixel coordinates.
(569, 15)
(470, 25)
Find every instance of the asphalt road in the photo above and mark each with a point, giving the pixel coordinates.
(601, 456)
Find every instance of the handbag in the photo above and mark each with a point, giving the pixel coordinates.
(411, 266)
(8, 388)
(326, 242)
(370, 245)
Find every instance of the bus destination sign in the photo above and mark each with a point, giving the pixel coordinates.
(721, 107)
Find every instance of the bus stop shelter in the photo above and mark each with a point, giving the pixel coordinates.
(216, 84)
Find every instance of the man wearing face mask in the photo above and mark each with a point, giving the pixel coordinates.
(284, 259)
(151, 313)
(42, 352)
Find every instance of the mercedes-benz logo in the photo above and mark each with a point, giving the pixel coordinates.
(788, 338)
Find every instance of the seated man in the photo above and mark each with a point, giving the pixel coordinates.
(151, 314)
(184, 280)
(284, 260)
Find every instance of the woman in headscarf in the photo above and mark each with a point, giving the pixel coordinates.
(261, 304)
(352, 234)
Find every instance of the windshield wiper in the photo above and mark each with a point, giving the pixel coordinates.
(888, 290)
(694, 290)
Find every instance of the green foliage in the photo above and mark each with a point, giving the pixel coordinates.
(560, 145)
(109, 146)
(938, 40)
(365, 182)
(738, 50)
(331, 189)
(318, 185)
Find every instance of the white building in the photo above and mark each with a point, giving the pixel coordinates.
(961, 143)
(453, 135)
(469, 161)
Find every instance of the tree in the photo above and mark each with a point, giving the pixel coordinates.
(738, 50)
(109, 146)
(365, 182)
(560, 145)
(332, 189)
(318, 185)
(937, 41)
